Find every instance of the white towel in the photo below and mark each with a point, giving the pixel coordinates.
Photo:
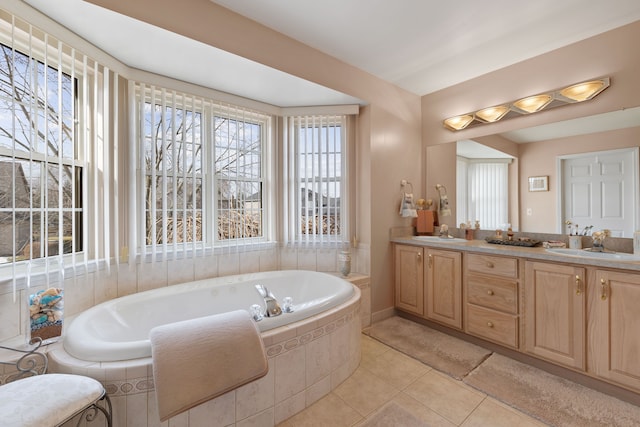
(197, 360)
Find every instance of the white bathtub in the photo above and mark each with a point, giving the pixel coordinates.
(119, 329)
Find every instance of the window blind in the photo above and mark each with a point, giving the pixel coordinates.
(55, 144)
(487, 193)
(314, 179)
(201, 172)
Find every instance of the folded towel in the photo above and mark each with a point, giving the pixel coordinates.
(197, 360)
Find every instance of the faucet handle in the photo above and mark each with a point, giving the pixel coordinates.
(256, 312)
(287, 304)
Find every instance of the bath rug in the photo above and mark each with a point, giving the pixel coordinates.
(393, 414)
(199, 359)
(445, 353)
(549, 398)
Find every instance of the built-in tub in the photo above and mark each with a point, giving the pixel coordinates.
(119, 329)
(310, 351)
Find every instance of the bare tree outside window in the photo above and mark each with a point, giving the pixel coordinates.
(40, 185)
(174, 153)
(238, 171)
(173, 179)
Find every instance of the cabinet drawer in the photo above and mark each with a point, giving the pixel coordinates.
(492, 325)
(487, 292)
(494, 265)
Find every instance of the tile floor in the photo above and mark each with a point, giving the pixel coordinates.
(387, 375)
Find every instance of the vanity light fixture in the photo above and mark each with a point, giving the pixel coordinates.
(578, 92)
(458, 122)
(584, 91)
(533, 104)
(492, 114)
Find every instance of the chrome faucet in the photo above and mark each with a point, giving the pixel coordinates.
(273, 308)
(598, 240)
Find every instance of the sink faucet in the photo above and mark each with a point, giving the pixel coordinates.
(598, 240)
(273, 308)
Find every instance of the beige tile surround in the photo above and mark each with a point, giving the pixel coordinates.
(307, 360)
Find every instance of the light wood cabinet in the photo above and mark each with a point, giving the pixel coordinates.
(409, 279)
(491, 302)
(585, 318)
(443, 299)
(614, 327)
(554, 314)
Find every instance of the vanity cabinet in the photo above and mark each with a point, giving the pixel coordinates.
(491, 303)
(409, 279)
(614, 325)
(554, 313)
(443, 299)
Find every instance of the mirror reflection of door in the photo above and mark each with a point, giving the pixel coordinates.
(600, 189)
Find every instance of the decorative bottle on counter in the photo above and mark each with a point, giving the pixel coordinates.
(344, 263)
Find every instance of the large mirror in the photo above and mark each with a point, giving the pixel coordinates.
(548, 154)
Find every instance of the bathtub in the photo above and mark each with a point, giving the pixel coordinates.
(308, 358)
(119, 329)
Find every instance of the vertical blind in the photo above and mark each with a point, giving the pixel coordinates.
(200, 171)
(314, 179)
(486, 193)
(56, 145)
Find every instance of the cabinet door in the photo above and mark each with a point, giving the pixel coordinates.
(444, 287)
(614, 325)
(555, 313)
(409, 294)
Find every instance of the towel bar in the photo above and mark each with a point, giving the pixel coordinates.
(31, 397)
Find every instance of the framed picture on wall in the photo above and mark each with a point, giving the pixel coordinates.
(539, 183)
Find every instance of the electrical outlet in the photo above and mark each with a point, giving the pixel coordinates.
(529, 212)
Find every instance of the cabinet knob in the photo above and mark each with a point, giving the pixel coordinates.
(489, 292)
(490, 324)
(489, 264)
(419, 257)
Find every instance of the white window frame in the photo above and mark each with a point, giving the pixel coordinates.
(208, 109)
(293, 187)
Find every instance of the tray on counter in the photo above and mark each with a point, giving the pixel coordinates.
(524, 243)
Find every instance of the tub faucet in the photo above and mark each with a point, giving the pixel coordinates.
(273, 308)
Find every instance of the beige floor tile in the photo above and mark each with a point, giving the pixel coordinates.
(446, 396)
(496, 414)
(421, 412)
(396, 368)
(365, 392)
(371, 347)
(328, 411)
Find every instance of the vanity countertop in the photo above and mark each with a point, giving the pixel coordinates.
(539, 253)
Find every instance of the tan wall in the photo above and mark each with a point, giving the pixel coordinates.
(389, 136)
(614, 54)
(540, 158)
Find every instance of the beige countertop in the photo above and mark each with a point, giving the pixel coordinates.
(537, 253)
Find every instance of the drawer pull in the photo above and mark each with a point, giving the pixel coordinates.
(490, 292)
(578, 285)
(419, 257)
(430, 261)
(603, 288)
(489, 264)
(490, 324)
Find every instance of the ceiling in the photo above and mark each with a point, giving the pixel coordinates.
(420, 45)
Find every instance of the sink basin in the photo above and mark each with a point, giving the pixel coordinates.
(586, 253)
(440, 239)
